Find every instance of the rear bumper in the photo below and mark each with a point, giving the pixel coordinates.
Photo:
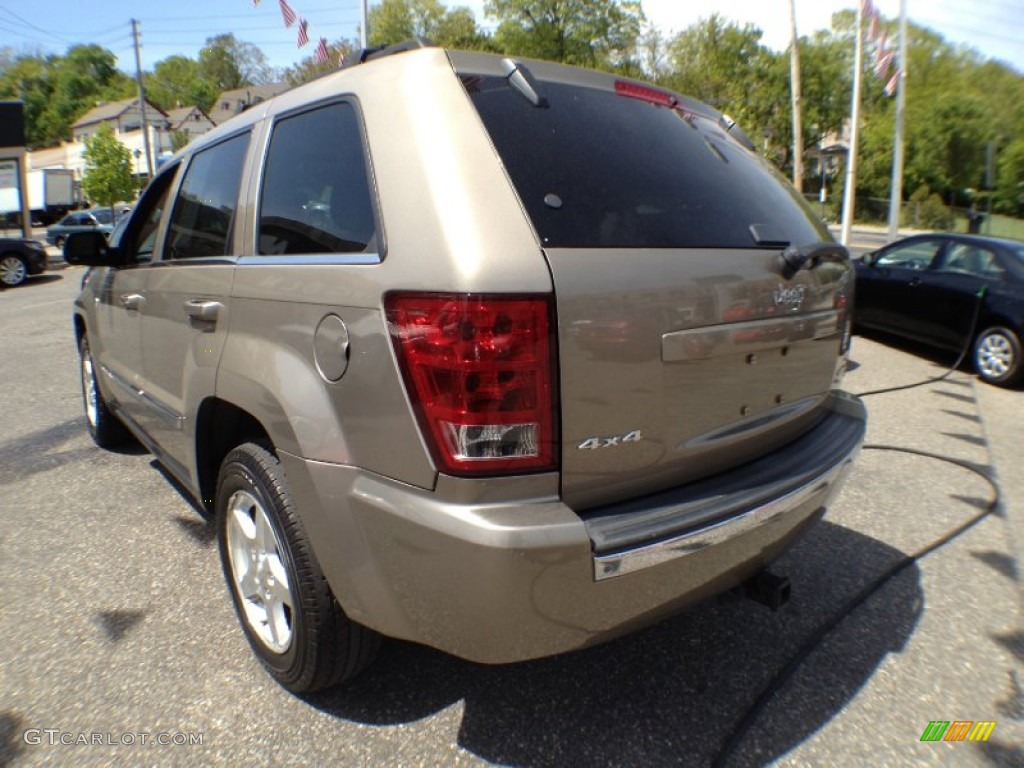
(496, 580)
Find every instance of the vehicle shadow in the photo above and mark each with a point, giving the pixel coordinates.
(670, 695)
(48, 277)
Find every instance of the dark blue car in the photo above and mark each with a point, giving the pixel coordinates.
(930, 287)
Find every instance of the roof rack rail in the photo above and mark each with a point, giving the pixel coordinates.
(380, 51)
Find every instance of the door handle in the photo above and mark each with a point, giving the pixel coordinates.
(132, 301)
(915, 282)
(200, 309)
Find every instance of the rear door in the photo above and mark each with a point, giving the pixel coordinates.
(948, 294)
(187, 301)
(682, 348)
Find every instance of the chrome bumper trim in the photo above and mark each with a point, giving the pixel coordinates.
(615, 564)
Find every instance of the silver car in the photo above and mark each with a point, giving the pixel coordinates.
(499, 356)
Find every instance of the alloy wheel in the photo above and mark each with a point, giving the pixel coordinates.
(995, 355)
(12, 271)
(258, 571)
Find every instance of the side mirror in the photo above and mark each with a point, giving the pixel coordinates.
(89, 249)
(868, 259)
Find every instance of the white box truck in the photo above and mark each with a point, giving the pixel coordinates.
(51, 194)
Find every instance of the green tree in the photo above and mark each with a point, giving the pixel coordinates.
(179, 139)
(590, 33)
(108, 169)
(178, 81)
(85, 76)
(1010, 178)
(57, 90)
(396, 20)
(228, 63)
(310, 69)
(724, 64)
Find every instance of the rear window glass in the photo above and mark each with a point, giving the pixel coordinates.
(601, 170)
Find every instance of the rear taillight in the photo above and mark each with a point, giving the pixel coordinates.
(479, 371)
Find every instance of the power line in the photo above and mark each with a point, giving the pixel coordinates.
(18, 33)
(152, 19)
(238, 29)
(30, 25)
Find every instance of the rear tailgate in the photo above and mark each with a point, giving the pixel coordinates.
(678, 364)
(683, 349)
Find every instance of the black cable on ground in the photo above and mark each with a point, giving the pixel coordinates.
(952, 368)
(743, 726)
(739, 731)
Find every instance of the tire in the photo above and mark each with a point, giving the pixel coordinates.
(997, 357)
(13, 270)
(289, 615)
(105, 428)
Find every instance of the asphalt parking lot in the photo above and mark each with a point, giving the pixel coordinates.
(115, 622)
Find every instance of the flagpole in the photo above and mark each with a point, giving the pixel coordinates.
(896, 188)
(851, 159)
(362, 25)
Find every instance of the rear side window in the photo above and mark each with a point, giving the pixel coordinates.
(205, 207)
(316, 192)
(599, 169)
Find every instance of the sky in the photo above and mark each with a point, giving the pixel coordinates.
(993, 27)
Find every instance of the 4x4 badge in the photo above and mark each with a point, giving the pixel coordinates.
(593, 443)
(791, 297)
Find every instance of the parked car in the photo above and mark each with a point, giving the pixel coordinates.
(356, 324)
(19, 258)
(91, 220)
(950, 291)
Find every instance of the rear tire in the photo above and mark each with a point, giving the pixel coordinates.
(290, 617)
(13, 270)
(997, 357)
(105, 428)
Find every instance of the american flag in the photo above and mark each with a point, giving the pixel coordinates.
(287, 13)
(883, 62)
(890, 87)
(303, 32)
(322, 54)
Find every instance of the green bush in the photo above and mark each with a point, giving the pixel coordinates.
(925, 210)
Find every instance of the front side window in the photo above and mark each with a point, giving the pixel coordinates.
(316, 193)
(135, 235)
(204, 209)
(916, 255)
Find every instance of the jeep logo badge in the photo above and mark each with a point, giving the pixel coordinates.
(789, 297)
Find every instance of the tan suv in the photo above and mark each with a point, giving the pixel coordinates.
(499, 356)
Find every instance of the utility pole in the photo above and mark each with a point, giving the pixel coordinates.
(850, 187)
(896, 187)
(142, 100)
(794, 86)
